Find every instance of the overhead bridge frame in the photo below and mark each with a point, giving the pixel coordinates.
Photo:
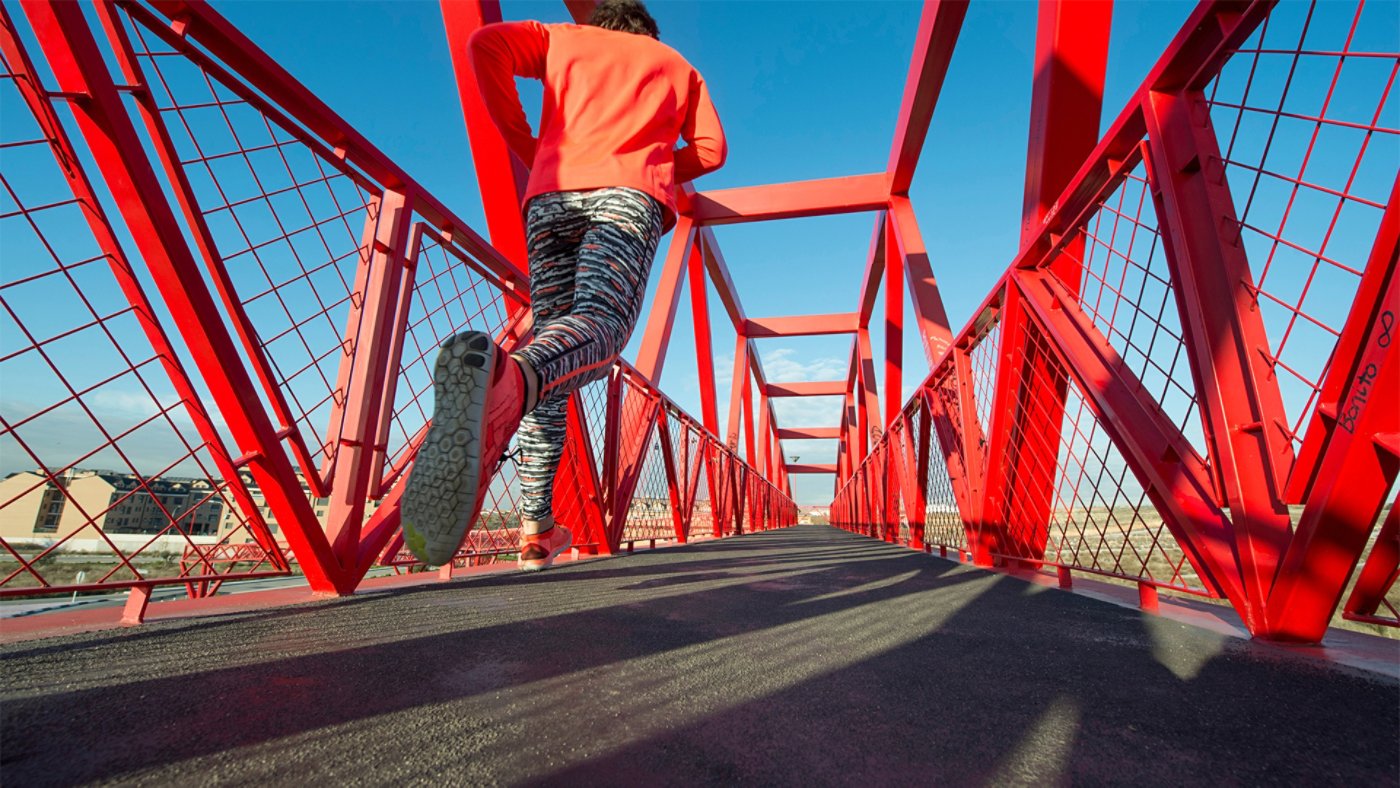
(1124, 403)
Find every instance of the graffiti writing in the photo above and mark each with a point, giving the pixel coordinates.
(1361, 386)
(1360, 394)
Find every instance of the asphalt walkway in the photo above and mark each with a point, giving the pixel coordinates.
(796, 657)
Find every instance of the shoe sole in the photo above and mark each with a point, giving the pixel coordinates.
(541, 564)
(441, 495)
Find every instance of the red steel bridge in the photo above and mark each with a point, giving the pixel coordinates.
(218, 307)
(220, 302)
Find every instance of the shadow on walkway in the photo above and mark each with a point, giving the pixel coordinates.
(788, 657)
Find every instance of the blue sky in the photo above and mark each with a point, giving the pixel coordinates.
(809, 90)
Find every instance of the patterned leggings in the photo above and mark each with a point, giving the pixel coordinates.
(590, 253)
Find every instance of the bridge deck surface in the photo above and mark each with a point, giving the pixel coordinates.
(788, 657)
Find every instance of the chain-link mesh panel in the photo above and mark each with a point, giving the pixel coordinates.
(291, 226)
(1125, 289)
(1306, 119)
(112, 468)
(1089, 511)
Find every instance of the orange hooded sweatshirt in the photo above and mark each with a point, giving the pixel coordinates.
(614, 106)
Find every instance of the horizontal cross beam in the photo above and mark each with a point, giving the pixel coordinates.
(819, 388)
(822, 197)
(806, 468)
(801, 325)
(808, 433)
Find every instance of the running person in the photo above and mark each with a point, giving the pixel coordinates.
(603, 173)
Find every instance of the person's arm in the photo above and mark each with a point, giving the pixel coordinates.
(705, 149)
(501, 52)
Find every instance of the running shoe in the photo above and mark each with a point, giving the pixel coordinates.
(479, 399)
(539, 550)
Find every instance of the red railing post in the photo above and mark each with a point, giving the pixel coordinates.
(913, 473)
(974, 459)
(637, 423)
(365, 366)
(579, 467)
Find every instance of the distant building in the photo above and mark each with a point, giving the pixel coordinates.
(34, 507)
(234, 519)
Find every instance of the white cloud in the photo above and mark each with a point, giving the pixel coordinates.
(786, 365)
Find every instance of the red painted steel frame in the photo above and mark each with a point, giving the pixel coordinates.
(201, 572)
(387, 286)
(1015, 399)
(500, 175)
(1225, 511)
(799, 326)
(1070, 62)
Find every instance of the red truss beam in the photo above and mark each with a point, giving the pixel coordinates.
(123, 160)
(822, 197)
(656, 338)
(718, 270)
(801, 325)
(704, 340)
(874, 269)
(1173, 474)
(923, 287)
(809, 433)
(808, 468)
(1357, 466)
(1381, 571)
(201, 23)
(821, 388)
(1071, 58)
(939, 26)
(1241, 407)
(738, 392)
(499, 174)
(894, 328)
(580, 10)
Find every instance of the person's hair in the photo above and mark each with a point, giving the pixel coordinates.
(627, 16)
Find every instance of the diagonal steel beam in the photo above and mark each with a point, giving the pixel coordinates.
(939, 26)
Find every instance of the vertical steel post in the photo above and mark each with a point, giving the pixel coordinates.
(1066, 102)
(366, 367)
(738, 391)
(894, 326)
